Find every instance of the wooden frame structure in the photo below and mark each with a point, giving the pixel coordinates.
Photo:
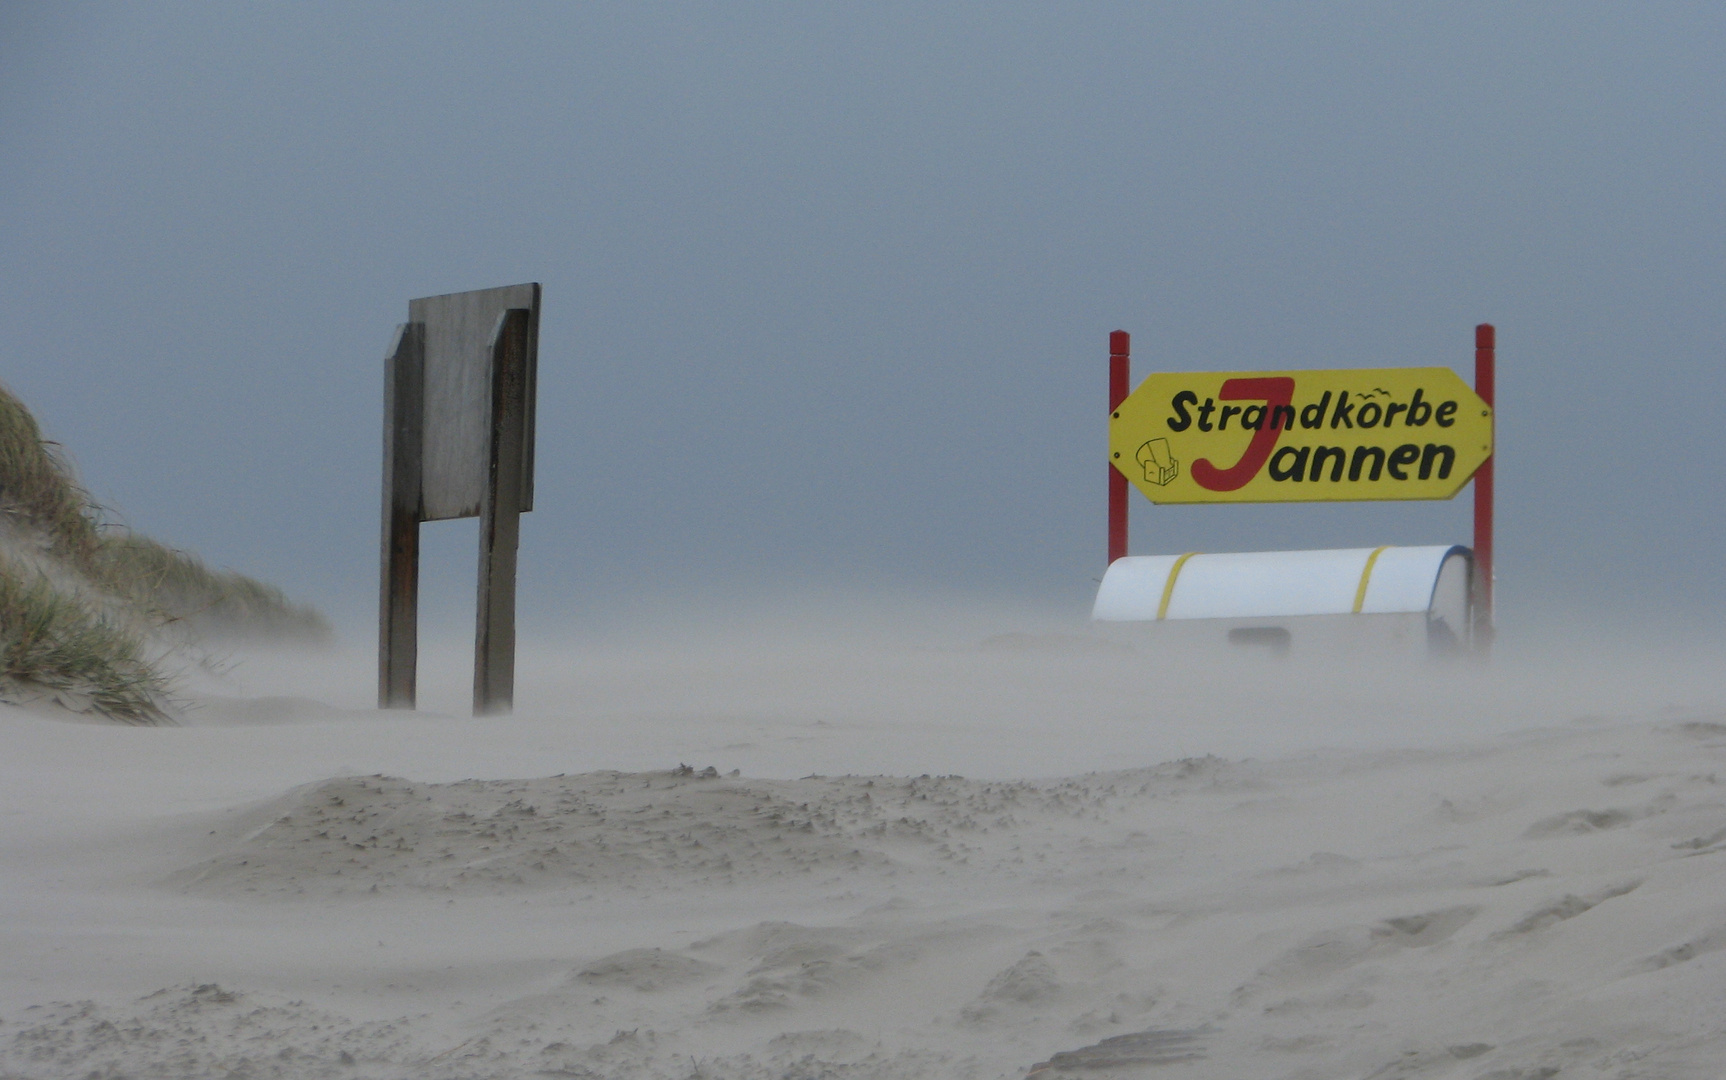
(459, 387)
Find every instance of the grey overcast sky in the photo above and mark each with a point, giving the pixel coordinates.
(828, 287)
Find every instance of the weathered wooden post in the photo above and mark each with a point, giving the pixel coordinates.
(500, 519)
(398, 604)
(458, 442)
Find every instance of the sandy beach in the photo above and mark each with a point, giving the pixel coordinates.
(984, 856)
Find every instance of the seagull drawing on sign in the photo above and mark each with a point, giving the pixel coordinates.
(1158, 461)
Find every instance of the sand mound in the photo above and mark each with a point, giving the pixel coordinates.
(188, 1032)
(201, 1030)
(680, 830)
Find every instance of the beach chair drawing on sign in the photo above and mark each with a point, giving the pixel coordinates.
(1158, 461)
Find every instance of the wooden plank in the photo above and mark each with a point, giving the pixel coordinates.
(398, 600)
(457, 395)
(530, 407)
(500, 516)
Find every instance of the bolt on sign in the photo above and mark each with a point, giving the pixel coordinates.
(1301, 436)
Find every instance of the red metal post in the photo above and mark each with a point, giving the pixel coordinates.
(1485, 378)
(1120, 365)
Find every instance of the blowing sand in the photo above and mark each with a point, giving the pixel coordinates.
(1040, 855)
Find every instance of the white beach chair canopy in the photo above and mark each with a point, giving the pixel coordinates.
(1271, 584)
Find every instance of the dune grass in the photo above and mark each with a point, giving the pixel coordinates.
(175, 586)
(53, 642)
(80, 606)
(37, 489)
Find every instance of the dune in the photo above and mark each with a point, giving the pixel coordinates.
(964, 855)
(95, 618)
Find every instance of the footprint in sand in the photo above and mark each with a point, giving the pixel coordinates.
(1031, 981)
(1568, 907)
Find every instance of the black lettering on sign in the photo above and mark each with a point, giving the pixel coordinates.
(1343, 411)
(1446, 414)
(1370, 409)
(1289, 463)
(1361, 453)
(1205, 412)
(1406, 454)
(1312, 416)
(1228, 411)
(1283, 417)
(1429, 454)
(1298, 464)
(1182, 420)
(1254, 418)
(1390, 412)
(1419, 412)
(1320, 455)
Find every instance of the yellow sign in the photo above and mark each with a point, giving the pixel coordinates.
(1301, 436)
